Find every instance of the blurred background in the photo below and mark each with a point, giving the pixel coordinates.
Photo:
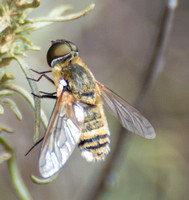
(116, 41)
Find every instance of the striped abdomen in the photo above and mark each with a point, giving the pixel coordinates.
(94, 141)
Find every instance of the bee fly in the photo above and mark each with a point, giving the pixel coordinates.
(78, 116)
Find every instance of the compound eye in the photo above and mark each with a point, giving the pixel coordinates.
(58, 49)
(73, 47)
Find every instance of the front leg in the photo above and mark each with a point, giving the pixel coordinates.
(47, 95)
(43, 74)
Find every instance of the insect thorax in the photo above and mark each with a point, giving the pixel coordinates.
(81, 82)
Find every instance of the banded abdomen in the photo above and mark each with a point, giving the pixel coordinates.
(94, 141)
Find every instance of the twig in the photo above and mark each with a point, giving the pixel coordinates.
(15, 174)
(43, 181)
(33, 86)
(29, 98)
(65, 18)
(107, 171)
(151, 75)
(156, 62)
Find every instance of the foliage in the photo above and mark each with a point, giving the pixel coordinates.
(15, 26)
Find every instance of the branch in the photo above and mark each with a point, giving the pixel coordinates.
(14, 173)
(151, 75)
(29, 98)
(43, 181)
(157, 61)
(35, 90)
(66, 17)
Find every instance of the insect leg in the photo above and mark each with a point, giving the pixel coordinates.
(48, 95)
(43, 74)
(37, 72)
(34, 145)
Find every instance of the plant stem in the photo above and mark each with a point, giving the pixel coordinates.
(15, 174)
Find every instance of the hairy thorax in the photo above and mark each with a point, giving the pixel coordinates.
(80, 79)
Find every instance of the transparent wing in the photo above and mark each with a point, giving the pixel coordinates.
(130, 118)
(61, 137)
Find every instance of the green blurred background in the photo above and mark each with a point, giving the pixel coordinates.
(116, 41)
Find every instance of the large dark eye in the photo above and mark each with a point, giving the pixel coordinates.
(61, 49)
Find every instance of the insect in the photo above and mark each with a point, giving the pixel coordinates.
(78, 117)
